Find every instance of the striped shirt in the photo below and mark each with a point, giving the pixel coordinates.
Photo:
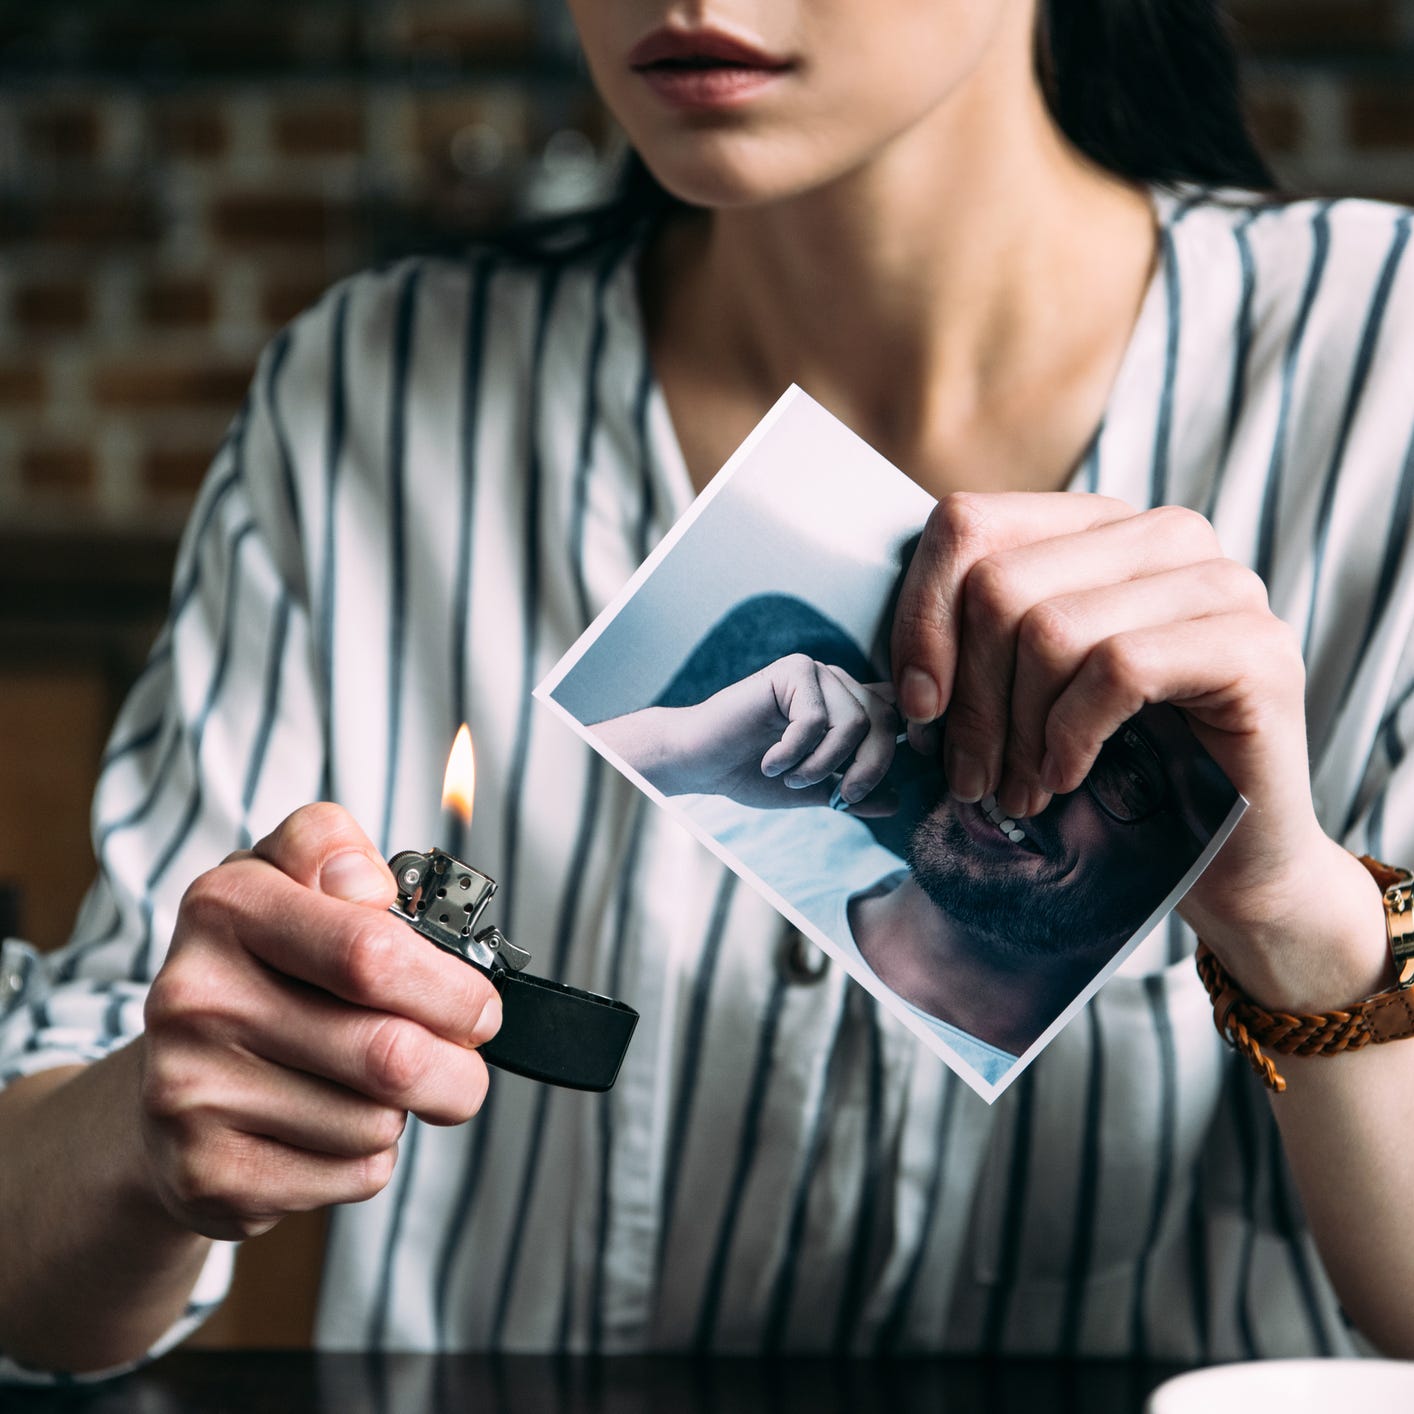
(442, 473)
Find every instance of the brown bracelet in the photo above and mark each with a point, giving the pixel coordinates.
(1387, 1016)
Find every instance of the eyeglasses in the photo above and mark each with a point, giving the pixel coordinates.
(1128, 779)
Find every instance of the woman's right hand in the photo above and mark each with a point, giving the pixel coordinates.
(293, 1027)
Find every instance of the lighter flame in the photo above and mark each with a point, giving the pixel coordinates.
(459, 782)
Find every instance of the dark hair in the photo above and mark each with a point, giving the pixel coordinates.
(1147, 89)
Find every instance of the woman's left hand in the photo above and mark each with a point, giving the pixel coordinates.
(1041, 623)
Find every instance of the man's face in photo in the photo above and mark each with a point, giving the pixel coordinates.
(1085, 873)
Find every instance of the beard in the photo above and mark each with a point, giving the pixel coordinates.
(1009, 914)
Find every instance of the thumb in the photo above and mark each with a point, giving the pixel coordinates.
(322, 847)
(357, 877)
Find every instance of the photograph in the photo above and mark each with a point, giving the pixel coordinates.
(742, 680)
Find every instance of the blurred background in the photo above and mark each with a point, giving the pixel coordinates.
(180, 177)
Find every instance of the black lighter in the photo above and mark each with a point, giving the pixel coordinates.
(549, 1032)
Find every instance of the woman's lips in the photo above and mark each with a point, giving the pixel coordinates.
(704, 68)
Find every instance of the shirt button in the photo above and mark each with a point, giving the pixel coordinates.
(800, 961)
(11, 983)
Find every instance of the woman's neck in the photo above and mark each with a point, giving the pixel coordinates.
(959, 304)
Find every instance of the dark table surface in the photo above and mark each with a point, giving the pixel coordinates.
(284, 1382)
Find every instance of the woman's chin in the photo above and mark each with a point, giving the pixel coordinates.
(719, 183)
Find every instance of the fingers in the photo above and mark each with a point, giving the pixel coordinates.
(800, 701)
(236, 1011)
(831, 722)
(963, 529)
(1057, 636)
(290, 1031)
(1204, 665)
(1003, 590)
(834, 725)
(875, 753)
(360, 954)
(251, 1096)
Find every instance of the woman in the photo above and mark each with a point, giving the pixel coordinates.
(447, 469)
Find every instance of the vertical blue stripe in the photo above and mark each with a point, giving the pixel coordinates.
(1241, 355)
(783, 1287)
(1369, 340)
(747, 1145)
(1157, 998)
(113, 1015)
(1090, 468)
(279, 351)
(133, 745)
(1198, 1270)
(269, 710)
(1271, 496)
(1396, 547)
(139, 812)
(1179, 947)
(397, 543)
(530, 593)
(1163, 427)
(645, 454)
(186, 583)
(686, 1090)
(231, 603)
(589, 424)
(214, 493)
(1018, 1182)
(894, 1326)
(1387, 736)
(564, 935)
(1242, 333)
(383, 1292)
(473, 354)
(872, 1178)
(1394, 755)
(623, 905)
(73, 956)
(1082, 1239)
(1240, 1084)
(334, 433)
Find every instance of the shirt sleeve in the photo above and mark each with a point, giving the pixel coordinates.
(218, 740)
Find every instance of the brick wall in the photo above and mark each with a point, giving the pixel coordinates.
(176, 180)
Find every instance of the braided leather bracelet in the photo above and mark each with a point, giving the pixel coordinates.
(1387, 1016)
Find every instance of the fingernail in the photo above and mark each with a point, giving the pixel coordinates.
(1015, 801)
(966, 778)
(919, 696)
(1050, 776)
(796, 782)
(489, 1022)
(923, 739)
(354, 877)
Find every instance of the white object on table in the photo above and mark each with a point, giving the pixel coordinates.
(1291, 1386)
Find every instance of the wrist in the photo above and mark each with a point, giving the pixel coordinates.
(652, 742)
(1310, 942)
(87, 1202)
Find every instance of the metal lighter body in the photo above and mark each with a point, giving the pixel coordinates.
(549, 1032)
